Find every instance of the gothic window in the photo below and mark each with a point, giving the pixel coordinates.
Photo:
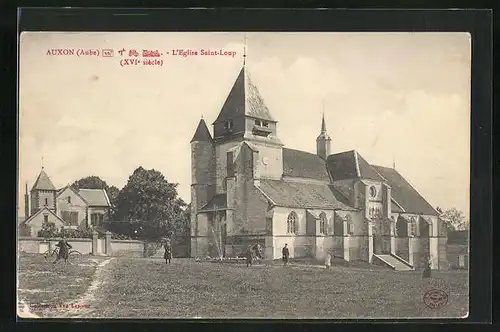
(338, 226)
(46, 201)
(412, 226)
(69, 199)
(350, 226)
(291, 223)
(322, 223)
(373, 191)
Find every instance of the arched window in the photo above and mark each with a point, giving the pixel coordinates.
(322, 223)
(338, 226)
(46, 201)
(291, 223)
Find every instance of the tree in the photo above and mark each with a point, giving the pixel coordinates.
(453, 219)
(149, 199)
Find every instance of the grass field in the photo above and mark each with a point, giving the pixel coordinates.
(147, 288)
(42, 284)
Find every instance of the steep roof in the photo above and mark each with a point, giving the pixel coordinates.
(217, 202)
(350, 165)
(202, 134)
(95, 197)
(43, 182)
(303, 164)
(244, 99)
(42, 210)
(69, 187)
(303, 195)
(404, 194)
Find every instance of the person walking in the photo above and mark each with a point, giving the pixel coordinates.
(249, 256)
(328, 260)
(64, 247)
(286, 254)
(427, 269)
(168, 253)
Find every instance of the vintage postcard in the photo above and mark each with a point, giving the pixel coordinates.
(243, 175)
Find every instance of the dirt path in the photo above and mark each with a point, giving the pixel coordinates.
(76, 308)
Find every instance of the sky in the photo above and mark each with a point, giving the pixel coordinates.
(400, 98)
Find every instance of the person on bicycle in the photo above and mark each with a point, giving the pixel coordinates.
(64, 248)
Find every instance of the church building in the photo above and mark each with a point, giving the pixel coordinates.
(248, 188)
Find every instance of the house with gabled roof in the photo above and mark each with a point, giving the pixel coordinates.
(248, 188)
(66, 207)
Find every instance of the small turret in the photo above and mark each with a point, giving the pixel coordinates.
(323, 141)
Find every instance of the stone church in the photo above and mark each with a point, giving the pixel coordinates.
(248, 188)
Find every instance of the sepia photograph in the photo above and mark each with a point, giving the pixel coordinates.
(243, 175)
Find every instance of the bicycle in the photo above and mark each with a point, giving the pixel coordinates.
(74, 256)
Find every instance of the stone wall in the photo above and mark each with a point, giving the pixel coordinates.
(33, 244)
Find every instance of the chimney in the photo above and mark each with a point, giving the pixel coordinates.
(26, 202)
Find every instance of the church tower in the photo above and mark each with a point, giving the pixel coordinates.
(323, 141)
(245, 117)
(43, 193)
(202, 174)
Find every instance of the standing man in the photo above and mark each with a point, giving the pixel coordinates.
(64, 247)
(427, 269)
(249, 256)
(168, 253)
(286, 254)
(328, 260)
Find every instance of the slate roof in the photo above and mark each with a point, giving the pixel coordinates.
(404, 194)
(303, 164)
(303, 195)
(366, 170)
(202, 134)
(43, 182)
(350, 165)
(244, 99)
(342, 166)
(60, 191)
(218, 202)
(395, 207)
(95, 197)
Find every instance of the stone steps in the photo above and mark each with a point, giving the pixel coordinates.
(394, 263)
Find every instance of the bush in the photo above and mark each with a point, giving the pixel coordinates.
(48, 230)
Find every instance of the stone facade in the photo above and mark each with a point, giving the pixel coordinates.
(247, 189)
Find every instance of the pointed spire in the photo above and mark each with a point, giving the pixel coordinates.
(244, 99)
(202, 134)
(43, 182)
(42, 162)
(244, 50)
(323, 124)
(393, 162)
